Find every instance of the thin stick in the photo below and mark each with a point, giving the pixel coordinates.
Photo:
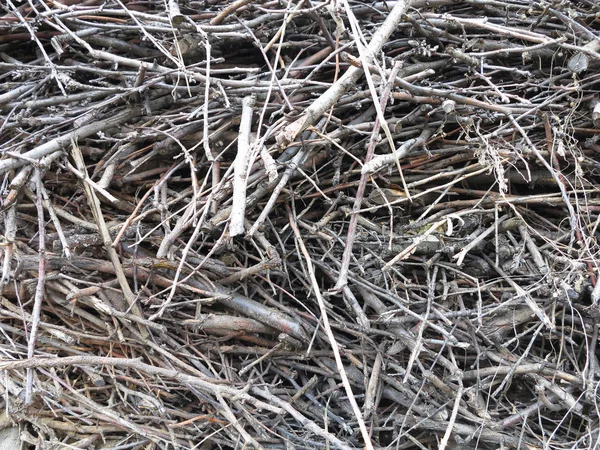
(343, 275)
(107, 240)
(330, 335)
(41, 282)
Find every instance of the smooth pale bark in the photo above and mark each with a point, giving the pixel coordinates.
(240, 170)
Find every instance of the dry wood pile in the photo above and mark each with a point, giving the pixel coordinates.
(300, 224)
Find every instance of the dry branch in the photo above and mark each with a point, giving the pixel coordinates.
(297, 224)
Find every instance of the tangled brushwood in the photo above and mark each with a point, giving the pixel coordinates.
(294, 224)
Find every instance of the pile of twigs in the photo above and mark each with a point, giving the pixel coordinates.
(273, 224)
